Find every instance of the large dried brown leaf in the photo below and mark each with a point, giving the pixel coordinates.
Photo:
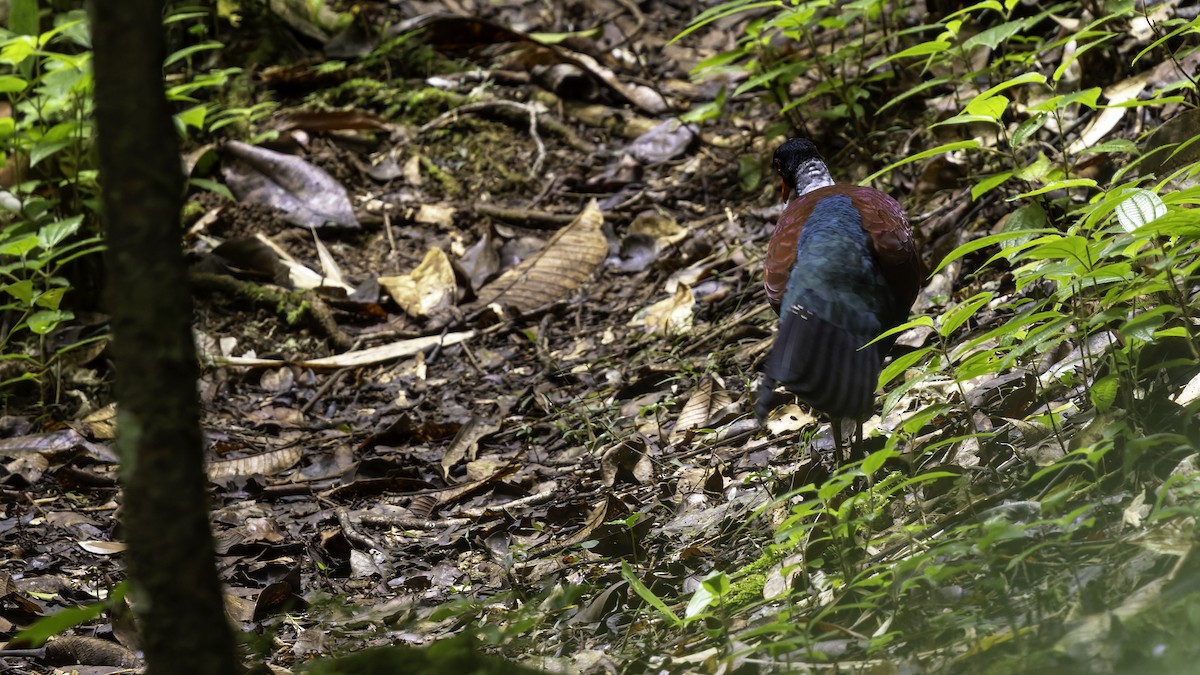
(552, 274)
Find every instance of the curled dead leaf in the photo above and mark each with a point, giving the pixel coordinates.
(669, 317)
(425, 290)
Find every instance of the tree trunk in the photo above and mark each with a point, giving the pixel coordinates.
(170, 555)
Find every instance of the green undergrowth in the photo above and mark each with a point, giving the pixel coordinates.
(973, 539)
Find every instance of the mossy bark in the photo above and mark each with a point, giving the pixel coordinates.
(170, 554)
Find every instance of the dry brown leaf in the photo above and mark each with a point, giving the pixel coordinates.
(626, 459)
(360, 357)
(553, 273)
(700, 410)
(465, 445)
(669, 317)
(427, 289)
(266, 464)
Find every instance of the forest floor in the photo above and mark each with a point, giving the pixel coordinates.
(520, 401)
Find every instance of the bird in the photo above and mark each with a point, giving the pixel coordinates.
(841, 268)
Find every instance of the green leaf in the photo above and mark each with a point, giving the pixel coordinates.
(1058, 185)
(706, 111)
(992, 107)
(952, 319)
(21, 290)
(1117, 145)
(42, 150)
(19, 247)
(924, 49)
(51, 299)
(1035, 171)
(192, 49)
(1025, 130)
(50, 235)
(901, 364)
(1103, 392)
(712, 588)
(924, 154)
(47, 319)
(648, 595)
(876, 460)
(11, 84)
(17, 50)
(193, 116)
(988, 184)
(1087, 97)
(1140, 208)
(984, 242)
(992, 37)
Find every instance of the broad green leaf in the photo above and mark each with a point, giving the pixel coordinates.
(1087, 97)
(992, 107)
(46, 320)
(988, 184)
(21, 290)
(1073, 248)
(992, 37)
(10, 84)
(1025, 78)
(17, 49)
(1025, 130)
(1116, 145)
(51, 299)
(953, 318)
(875, 461)
(1140, 208)
(1103, 392)
(1035, 171)
(1143, 326)
(901, 364)
(193, 117)
(50, 235)
(23, 17)
(19, 247)
(42, 150)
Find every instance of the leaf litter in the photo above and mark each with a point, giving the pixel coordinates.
(517, 414)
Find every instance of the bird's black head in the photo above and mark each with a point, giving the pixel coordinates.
(800, 166)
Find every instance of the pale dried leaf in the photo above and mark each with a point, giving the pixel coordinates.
(428, 288)
(102, 547)
(700, 409)
(553, 273)
(265, 464)
(790, 417)
(360, 357)
(329, 266)
(671, 316)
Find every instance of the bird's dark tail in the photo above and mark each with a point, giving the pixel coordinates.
(822, 365)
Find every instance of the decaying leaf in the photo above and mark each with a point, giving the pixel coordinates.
(552, 274)
(669, 317)
(789, 417)
(425, 290)
(264, 464)
(358, 357)
(701, 410)
(306, 194)
(626, 459)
